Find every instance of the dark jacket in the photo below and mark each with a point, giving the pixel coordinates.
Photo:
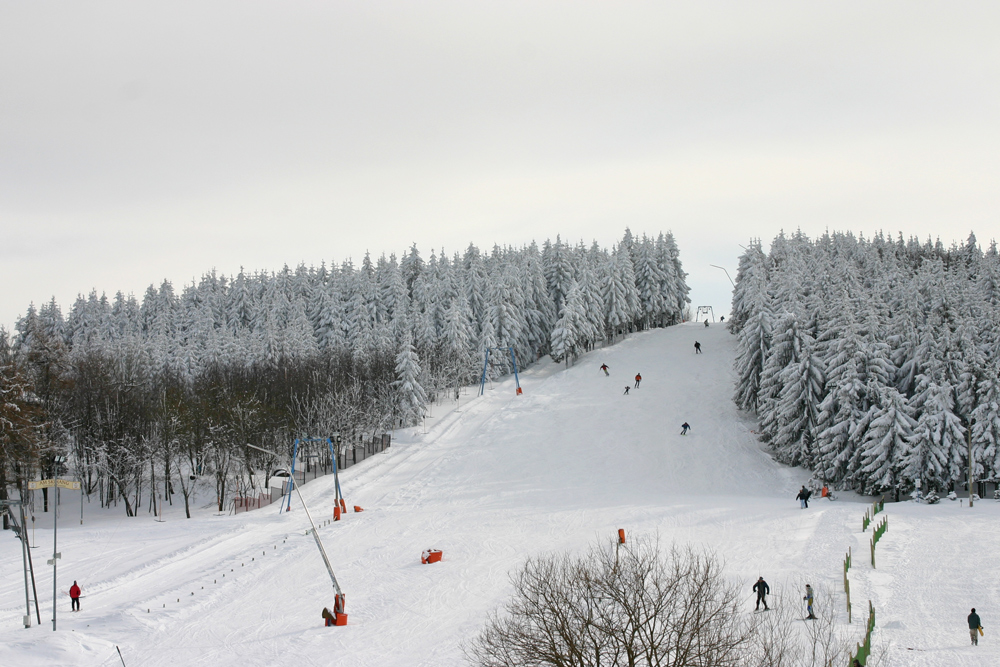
(761, 588)
(803, 494)
(974, 621)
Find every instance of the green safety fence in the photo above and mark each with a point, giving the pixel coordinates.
(880, 530)
(871, 512)
(847, 583)
(865, 649)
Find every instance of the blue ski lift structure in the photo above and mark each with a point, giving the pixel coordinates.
(486, 363)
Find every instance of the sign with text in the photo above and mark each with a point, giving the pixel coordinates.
(49, 483)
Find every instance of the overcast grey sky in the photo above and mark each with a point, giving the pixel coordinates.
(142, 141)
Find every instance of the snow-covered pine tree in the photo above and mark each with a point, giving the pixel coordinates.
(411, 400)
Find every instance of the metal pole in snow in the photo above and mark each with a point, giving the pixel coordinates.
(319, 542)
(517, 382)
(291, 480)
(55, 554)
(482, 382)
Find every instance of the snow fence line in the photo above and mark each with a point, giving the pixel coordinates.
(864, 649)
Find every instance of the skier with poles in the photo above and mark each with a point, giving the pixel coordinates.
(761, 589)
(685, 427)
(604, 367)
(697, 347)
(809, 602)
(626, 390)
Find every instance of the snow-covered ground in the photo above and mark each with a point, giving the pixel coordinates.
(502, 478)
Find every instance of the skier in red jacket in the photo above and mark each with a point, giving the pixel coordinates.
(74, 595)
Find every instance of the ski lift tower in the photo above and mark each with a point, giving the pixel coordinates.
(706, 311)
(337, 590)
(486, 363)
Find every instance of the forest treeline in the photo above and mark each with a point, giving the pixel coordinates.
(872, 362)
(146, 397)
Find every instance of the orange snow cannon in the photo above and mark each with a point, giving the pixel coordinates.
(621, 536)
(358, 508)
(336, 513)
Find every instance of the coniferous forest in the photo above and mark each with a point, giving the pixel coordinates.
(148, 396)
(873, 362)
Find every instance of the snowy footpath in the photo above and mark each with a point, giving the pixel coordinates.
(500, 479)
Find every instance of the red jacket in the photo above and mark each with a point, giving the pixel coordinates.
(74, 591)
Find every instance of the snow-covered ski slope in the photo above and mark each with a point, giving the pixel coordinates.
(502, 478)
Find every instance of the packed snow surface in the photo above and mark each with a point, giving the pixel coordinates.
(499, 479)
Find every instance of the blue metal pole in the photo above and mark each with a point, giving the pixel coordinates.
(336, 477)
(291, 483)
(482, 382)
(513, 360)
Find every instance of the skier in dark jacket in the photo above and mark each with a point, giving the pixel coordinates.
(803, 497)
(761, 589)
(626, 390)
(974, 625)
(74, 595)
(697, 347)
(604, 367)
(685, 427)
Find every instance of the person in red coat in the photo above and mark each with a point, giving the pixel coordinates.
(74, 595)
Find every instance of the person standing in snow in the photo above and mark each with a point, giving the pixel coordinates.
(74, 596)
(328, 617)
(809, 602)
(638, 379)
(697, 347)
(974, 627)
(685, 427)
(604, 367)
(626, 390)
(761, 589)
(803, 497)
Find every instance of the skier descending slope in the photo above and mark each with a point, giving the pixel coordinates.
(685, 427)
(761, 589)
(697, 347)
(604, 367)
(638, 379)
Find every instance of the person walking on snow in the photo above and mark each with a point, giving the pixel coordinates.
(809, 602)
(761, 589)
(604, 367)
(638, 379)
(803, 497)
(74, 595)
(626, 390)
(697, 347)
(974, 627)
(685, 427)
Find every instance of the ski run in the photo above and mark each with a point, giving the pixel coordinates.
(499, 479)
